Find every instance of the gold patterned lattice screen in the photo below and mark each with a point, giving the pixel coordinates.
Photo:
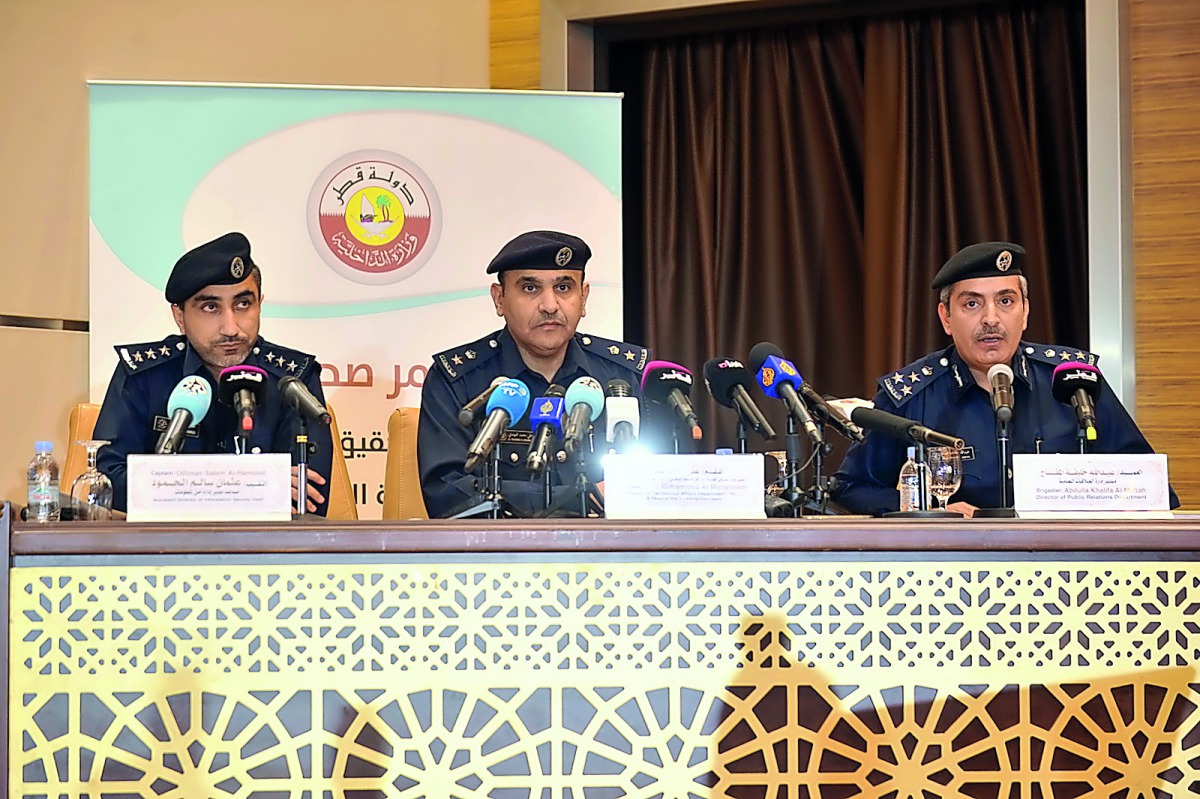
(590, 681)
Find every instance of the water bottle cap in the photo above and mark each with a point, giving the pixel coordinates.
(724, 450)
(912, 452)
(43, 446)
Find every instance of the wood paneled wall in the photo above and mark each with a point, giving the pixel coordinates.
(1165, 73)
(515, 48)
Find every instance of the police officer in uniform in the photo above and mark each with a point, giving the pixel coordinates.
(215, 291)
(984, 307)
(541, 294)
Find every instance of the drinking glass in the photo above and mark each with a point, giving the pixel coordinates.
(92, 491)
(945, 472)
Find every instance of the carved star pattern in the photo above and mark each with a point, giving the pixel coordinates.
(1066, 356)
(629, 355)
(914, 377)
(152, 355)
(137, 356)
(165, 350)
(291, 366)
(907, 390)
(1079, 356)
(898, 377)
(458, 361)
(270, 357)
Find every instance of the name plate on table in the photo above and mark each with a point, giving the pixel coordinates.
(1091, 486)
(683, 487)
(209, 488)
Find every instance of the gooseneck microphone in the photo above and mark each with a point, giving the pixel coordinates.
(670, 384)
(622, 413)
(296, 394)
(505, 407)
(584, 402)
(1001, 377)
(1078, 385)
(470, 412)
(187, 406)
(905, 429)
(245, 388)
(779, 379)
(727, 380)
(545, 417)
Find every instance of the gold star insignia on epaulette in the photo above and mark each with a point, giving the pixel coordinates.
(907, 390)
(1066, 356)
(899, 378)
(270, 357)
(458, 361)
(470, 355)
(1079, 356)
(165, 350)
(137, 356)
(151, 354)
(925, 370)
(629, 355)
(614, 349)
(914, 377)
(291, 366)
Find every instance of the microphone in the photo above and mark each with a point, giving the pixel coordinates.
(296, 394)
(545, 417)
(187, 406)
(245, 388)
(1001, 377)
(505, 406)
(779, 379)
(727, 380)
(622, 413)
(669, 384)
(1078, 385)
(899, 427)
(470, 412)
(584, 402)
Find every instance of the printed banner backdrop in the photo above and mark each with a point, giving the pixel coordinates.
(372, 213)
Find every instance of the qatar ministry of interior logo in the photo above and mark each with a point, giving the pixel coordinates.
(374, 216)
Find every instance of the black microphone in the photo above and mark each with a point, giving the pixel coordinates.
(471, 411)
(778, 378)
(1001, 377)
(899, 427)
(296, 394)
(545, 415)
(669, 383)
(504, 408)
(245, 388)
(622, 413)
(1078, 385)
(727, 380)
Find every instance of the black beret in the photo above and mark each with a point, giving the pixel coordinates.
(541, 249)
(223, 261)
(986, 259)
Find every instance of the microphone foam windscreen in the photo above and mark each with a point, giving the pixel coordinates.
(192, 394)
(513, 397)
(586, 390)
(721, 375)
(661, 376)
(1072, 376)
(760, 352)
(1000, 369)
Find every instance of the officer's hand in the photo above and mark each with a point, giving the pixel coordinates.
(314, 480)
(965, 508)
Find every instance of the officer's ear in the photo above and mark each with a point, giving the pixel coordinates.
(498, 296)
(944, 315)
(177, 313)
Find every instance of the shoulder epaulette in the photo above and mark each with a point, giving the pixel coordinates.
(1048, 353)
(631, 356)
(138, 358)
(908, 381)
(280, 361)
(465, 358)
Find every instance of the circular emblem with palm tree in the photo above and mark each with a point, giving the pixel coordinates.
(374, 216)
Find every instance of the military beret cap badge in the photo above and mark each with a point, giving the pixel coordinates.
(541, 249)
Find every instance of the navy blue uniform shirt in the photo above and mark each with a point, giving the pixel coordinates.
(461, 373)
(940, 392)
(135, 408)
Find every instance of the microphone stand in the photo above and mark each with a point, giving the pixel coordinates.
(488, 501)
(742, 436)
(301, 465)
(1004, 456)
(791, 481)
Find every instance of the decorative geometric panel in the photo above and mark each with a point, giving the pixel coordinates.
(590, 681)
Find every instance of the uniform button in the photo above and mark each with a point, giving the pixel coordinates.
(1029, 350)
(587, 340)
(561, 456)
(944, 362)
(493, 344)
(256, 350)
(514, 457)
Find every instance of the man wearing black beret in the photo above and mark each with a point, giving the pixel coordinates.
(215, 292)
(541, 294)
(983, 304)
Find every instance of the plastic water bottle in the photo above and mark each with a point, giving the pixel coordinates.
(909, 484)
(43, 484)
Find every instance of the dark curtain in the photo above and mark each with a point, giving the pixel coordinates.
(803, 184)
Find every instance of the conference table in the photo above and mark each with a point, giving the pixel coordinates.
(586, 659)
